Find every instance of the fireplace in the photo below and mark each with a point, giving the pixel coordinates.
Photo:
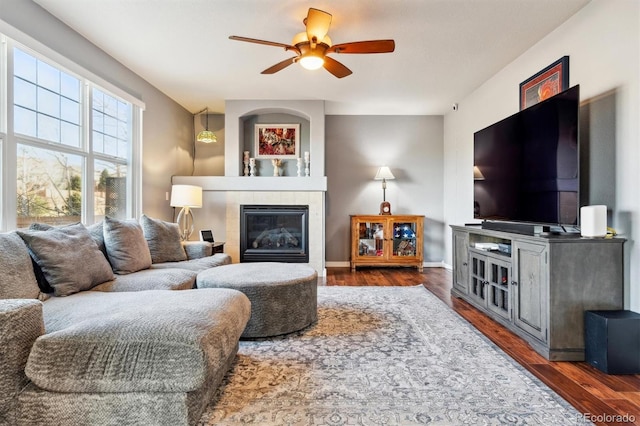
(274, 233)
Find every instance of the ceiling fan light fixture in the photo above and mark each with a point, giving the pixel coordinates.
(311, 62)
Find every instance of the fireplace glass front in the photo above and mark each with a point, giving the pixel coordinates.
(274, 233)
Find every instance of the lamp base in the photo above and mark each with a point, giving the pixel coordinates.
(185, 223)
(385, 208)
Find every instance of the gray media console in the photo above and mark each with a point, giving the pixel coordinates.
(539, 287)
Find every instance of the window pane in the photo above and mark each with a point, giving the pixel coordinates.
(70, 110)
(24, 93)
(98, 143)
(48, 102)
(70, 134)
(123, 131)
(48, 77)
(24, 121)
(124, 111)
(110, 125)
(24, 65)
(70, 87)
(48, 128)
(98, 121)
(110, 192)
(110, 106)
(110, 145)
(49, 185)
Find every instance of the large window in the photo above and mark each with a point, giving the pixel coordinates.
(72, 145)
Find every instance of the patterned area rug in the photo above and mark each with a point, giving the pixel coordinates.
(382, 356)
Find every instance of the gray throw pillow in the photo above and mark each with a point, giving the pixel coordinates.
(163, 239)
(69, 258)
(17, 279)
(126, 247)
(97, 234)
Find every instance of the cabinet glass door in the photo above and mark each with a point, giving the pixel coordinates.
(404, 239)
(478, 279)
(371, 239)
(498, 288)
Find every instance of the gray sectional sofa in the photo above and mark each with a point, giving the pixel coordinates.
(91, 335)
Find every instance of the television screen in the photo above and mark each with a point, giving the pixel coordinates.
(526, 167)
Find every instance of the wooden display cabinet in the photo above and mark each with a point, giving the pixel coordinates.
(387, 240)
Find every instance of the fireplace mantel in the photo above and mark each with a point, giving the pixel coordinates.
(257, 183)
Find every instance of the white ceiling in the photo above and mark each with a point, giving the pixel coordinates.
(444, 48)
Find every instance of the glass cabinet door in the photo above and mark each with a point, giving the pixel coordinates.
(371, 239)
(499, 280)
(478, 282)
(404, 239)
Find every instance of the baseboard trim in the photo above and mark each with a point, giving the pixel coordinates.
(337, 264)
(440, 264)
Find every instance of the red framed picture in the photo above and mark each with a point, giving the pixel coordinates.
(277, 140)
(546, 83)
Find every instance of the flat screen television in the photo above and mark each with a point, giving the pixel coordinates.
(526, 167)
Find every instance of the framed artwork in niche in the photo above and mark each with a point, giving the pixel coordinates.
(546, 83)
(277, 140)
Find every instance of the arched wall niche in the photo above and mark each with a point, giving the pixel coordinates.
(238, 111)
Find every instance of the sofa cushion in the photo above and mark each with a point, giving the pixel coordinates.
(151, 279)
(197, 249)
(162, 341)
(69, 258)
(196, 265)
(126, 247)
(163, 239)
(97, 233)
(17, 279)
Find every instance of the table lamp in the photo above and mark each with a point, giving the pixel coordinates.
(384, 174)
(187, 197)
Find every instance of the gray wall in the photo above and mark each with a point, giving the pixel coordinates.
(412, 147)
(167, 127)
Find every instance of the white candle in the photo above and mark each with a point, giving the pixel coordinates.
(246, 155)
(306, 155)
(252, 161)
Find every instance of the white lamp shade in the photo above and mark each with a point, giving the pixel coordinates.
(384, 173)
(477, 174)
(186, 196)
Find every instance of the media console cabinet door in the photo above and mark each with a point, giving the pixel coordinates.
(530, 288)
(461, 261)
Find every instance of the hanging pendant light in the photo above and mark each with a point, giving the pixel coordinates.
(206, 135)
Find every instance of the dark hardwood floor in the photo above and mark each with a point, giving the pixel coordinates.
(604, 399)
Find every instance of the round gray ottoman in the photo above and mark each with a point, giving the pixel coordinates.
(284, 296)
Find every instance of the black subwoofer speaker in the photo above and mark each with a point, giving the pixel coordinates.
(612, 341)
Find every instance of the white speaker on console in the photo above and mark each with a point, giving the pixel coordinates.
(593, 221)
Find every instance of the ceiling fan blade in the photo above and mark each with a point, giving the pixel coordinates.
(268, 43)
(317, 22)
(370, 46)
(336, 68)
(279, 66)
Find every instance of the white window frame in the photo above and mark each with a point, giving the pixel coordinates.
(9, 141)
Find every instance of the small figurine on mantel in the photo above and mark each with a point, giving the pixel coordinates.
(277, 164)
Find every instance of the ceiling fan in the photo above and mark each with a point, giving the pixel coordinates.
(313, 45)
